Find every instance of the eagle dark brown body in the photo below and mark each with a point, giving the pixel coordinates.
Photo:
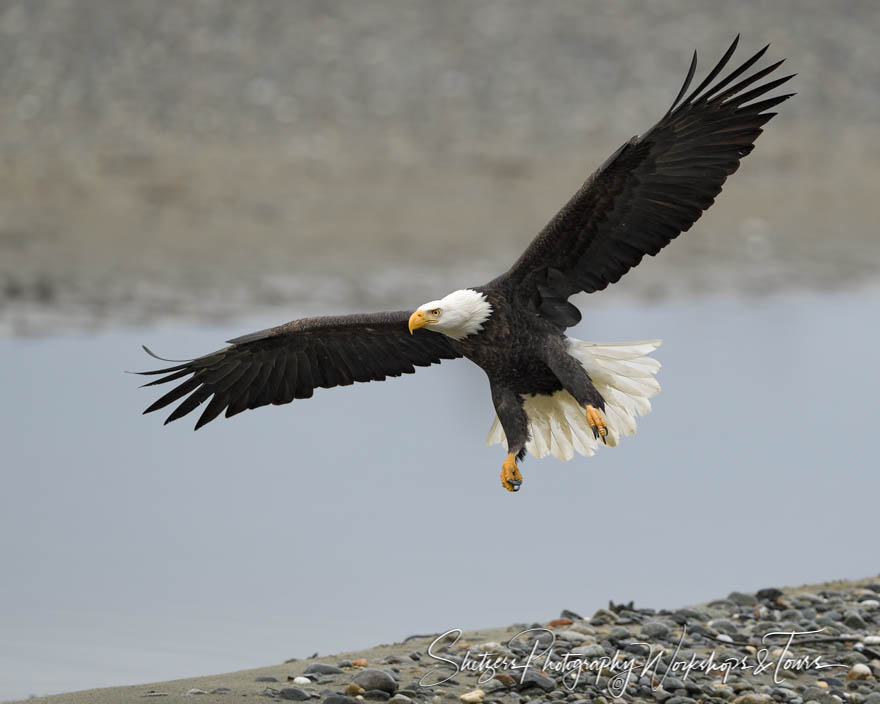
(551, 392)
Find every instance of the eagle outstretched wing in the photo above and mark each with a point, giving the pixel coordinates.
(650, 190)
(277, 365)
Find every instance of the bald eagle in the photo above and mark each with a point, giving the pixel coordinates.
(552, 394)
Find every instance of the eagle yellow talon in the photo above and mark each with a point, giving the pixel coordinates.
(597, 422)
(511, 478)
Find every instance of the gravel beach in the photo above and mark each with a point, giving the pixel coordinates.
(826, 650)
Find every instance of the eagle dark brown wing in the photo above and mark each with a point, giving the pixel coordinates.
(650, 190)
(290, 361)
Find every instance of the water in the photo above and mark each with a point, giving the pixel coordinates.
(134, 552)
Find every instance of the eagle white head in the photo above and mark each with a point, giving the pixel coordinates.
(457, 315)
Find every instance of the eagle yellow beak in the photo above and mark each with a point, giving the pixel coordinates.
(417, 320)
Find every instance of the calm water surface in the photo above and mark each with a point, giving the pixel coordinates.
(134, 552)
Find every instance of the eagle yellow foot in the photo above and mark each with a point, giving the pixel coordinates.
(511, 478)
(596, 419)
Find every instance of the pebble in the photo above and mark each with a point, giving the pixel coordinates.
(853, 620)
(859, 671)
(320, 668)
(396, 659)
(265, 678)
(294, 693)
(375, 679)
(742, 599)
(724, 625)
(473, 697)
(299, 679)
(194, 691)
(490, 646)
(583, 628)
(560, 622)
(603, 616)
(571, 636)
(533, 678)
(339, 699)
(670, 684)
(753, 698)
(354, 690)
(655, 629)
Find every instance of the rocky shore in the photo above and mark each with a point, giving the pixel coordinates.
(818, 643)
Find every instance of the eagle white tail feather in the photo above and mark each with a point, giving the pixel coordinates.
(621, 372)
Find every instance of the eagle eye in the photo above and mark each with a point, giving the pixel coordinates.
(436, 311)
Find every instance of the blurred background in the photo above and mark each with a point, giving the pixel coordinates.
(180, 173)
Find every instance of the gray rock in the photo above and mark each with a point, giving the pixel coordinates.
(379, 694)
(320, 668)
(294, 693)
(770, 594)
(571, 614)
(724, 692)
(724, 605)
(873, 698)
(533, 678)
(619, 632)
(414, 689)
(400, 699)
(691, 614)
(753, 698)
(655, 629)
(340, 699)
(724, 625)
(370, 678)
(670, 684)
(602, 617)
(821, 696)
(397, 659)
(265, 678)
(742, 599)
(853, 620)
